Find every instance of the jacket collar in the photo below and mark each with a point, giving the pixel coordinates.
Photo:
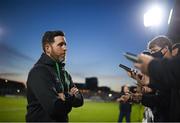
(46, 60)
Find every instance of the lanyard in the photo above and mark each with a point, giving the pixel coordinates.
(58, 73)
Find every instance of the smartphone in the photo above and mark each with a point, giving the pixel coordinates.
(132, 57)
(130, 70)
(125, 68)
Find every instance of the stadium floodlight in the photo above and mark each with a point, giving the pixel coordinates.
(110, 95)
(170, 15)
(18, 90)
(153, 17)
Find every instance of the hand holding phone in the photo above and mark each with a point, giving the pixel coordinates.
(125, 68)
(132, 57)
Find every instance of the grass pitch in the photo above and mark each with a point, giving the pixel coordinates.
(13, 109)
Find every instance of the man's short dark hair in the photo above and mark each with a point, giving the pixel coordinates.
(48, 37)
(161, 41)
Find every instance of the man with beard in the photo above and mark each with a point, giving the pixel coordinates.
(51, 93)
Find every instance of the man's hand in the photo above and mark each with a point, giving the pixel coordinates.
(74, 91)
(61, 96)
(144, 62)
(144, 80)
(146, 89)
(135, 75)
(124, 98)
(137, 97)
(141, 79)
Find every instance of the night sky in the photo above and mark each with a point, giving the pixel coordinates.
(98, 32)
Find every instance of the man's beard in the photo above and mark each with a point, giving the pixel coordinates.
(61, 59)
(57, 58)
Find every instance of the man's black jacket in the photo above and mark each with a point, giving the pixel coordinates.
(166, 72)
(158, 102)
(43, 87)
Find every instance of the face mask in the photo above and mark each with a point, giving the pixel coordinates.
(158, 54)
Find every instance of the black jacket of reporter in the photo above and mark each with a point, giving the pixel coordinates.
(158, 102)
(43, 86)
(166, 72)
